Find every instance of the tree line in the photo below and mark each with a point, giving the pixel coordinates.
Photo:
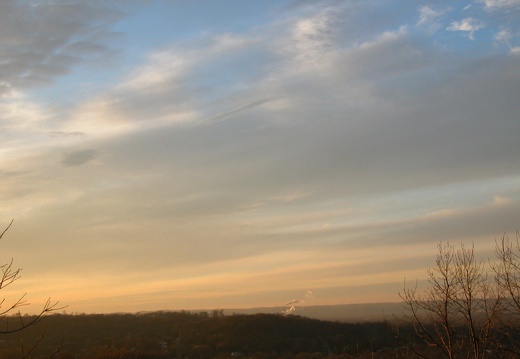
(198, 335)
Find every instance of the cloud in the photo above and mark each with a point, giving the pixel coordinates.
(468, 25)
(428, 16)
(314, 36)
(505, 37)
(227, 114)
(78, 158)
(291, 196)
(172, 87)
(43, 40)
(500, 4)
(66, 134)
(18, 112)
(269, 150)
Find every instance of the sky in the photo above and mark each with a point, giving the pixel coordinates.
(168, 155)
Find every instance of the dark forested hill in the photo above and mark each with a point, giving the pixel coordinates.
(345, 313)
(195, 335)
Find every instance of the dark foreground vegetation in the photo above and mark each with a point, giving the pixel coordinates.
(198, 335)
(165, 335)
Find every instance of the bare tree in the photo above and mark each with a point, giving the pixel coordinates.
(507, 269)
(454, 316)
(10, 317)
(507, 275)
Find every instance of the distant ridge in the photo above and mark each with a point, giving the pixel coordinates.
(363, 312)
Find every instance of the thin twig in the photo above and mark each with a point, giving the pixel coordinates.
(5, 230)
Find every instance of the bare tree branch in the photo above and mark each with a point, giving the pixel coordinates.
(5, 230)
(17, 323)
(455, 316)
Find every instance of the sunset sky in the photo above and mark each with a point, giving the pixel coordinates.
(222, 154)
